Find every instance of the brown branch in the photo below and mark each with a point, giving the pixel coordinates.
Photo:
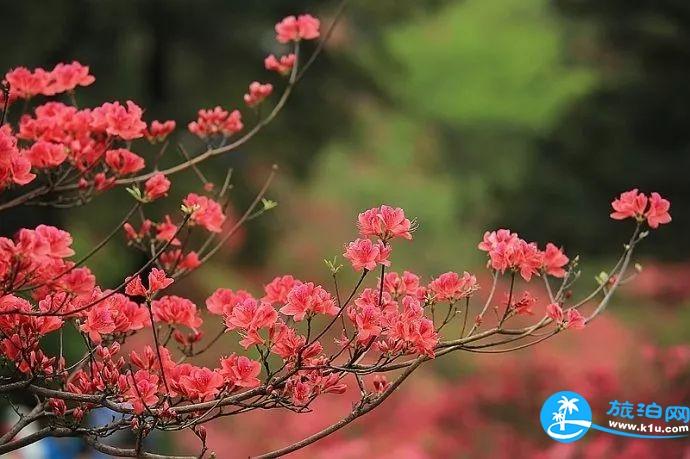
(125, 452)
(36, 436)
(359, 411)
(22, 422)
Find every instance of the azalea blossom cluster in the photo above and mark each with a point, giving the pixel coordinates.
(92, 142)
(221, 123)
(25, 83)
(107, 318)
(69, 153)
(507, 251)
(297, 340)
(632, 204)
(38, 258)
(300, 352)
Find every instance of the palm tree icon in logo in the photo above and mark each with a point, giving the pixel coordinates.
(565, 406)
(566, 416)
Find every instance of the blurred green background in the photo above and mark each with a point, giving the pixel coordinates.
(472, 115)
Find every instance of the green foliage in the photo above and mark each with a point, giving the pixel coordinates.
(499, 63)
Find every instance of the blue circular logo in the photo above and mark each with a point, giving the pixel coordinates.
(566, 416)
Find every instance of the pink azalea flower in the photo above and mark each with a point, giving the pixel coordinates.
(201, 384)
(99, 321)
(156, 187)
(451, 287)
(397, 285)
(116, 120)
(291, 28)
(135, 287)
(102, 183)
(306, 299)
(20, 170)
(574, 320)
(523, 306)
(283, 65)
(45, 155)
(25, 84)
(364, 254)
(208, 213)
(384, 222)
(166, 231)
(224, 300)
(158, 131)
(123, 161)
(368, 323)
(508, 251)
(240, 371)
(66, 77)
(555, 312)
(554, 261)
(216, 121)
(126, 314)
(427, 338)
(372, 297)
(250, 316)
(143, 390)
(257, 93)
(190, 261)
(277, 290)
(15, 165)
(57, 242)
(633, 204)
(528, 259)
(492, 239)
(658, 211)
(158, 280)
(630, 204)
(175, 310)
(287, 343)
